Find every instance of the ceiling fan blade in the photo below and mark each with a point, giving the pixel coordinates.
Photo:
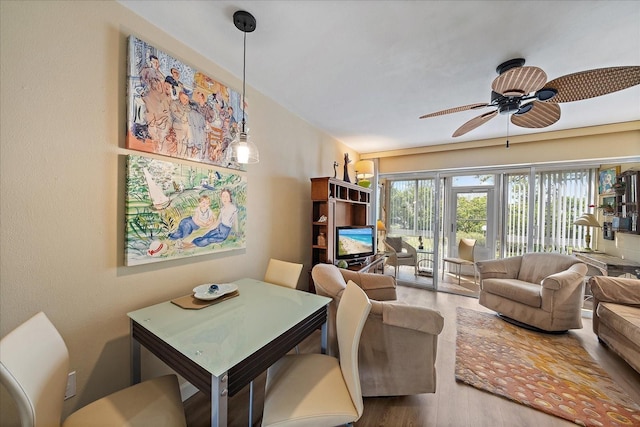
(474, 123)
(519, 81)
(591, 83)
(455, 110)
(539, 115)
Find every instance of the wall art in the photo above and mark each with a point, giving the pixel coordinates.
(178, 210)
(177, 111)
(607, 177)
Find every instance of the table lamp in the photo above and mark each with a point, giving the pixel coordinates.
(587, 220)
(364, 171)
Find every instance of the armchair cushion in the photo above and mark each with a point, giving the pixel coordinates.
(515, 290)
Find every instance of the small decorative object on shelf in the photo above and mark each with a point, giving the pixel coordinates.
(607, 208)
(619, 187)
(335, 165)
(420, 246)
(322, 241)
(346, 169)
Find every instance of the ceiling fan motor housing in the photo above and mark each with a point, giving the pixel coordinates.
(505, 104)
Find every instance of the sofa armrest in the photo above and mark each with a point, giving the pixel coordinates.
(618, 290)
(407, 316)
(377, 286)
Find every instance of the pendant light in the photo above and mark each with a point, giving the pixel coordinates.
(241, 149)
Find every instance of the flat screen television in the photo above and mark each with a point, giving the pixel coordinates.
(355, 242)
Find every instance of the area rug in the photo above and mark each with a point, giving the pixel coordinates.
(551, 373)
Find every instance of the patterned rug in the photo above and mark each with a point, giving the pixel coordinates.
(551, 373)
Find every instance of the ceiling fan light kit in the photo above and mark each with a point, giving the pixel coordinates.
(517, 83)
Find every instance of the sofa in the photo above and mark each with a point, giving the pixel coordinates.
(399, 342)
(616, 316)
(541, 290)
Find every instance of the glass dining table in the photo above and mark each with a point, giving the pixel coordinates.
(223, 347)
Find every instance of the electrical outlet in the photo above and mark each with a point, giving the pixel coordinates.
(71, 386)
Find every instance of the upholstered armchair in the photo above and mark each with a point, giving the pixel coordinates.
(398, 346)
(542, 290)
(400, 253)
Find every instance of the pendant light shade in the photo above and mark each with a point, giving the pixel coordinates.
(242, 150)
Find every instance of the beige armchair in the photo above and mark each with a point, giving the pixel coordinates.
(400, 253)
(542, 290)
(399, 342)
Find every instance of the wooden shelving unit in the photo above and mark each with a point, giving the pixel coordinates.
(342, 203)
(627, 202)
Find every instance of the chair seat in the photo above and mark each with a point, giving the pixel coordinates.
(307, 390)
(514, 290)
(155, 402)
(458, 261)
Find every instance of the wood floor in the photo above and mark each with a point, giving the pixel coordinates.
(454, 404)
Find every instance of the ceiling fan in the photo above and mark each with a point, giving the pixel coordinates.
(532, 102)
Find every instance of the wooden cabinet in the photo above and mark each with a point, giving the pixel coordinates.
(341, 203)
(627, 202)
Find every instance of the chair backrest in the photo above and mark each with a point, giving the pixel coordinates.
(352, 314)
(465, 249)
(34, 362)
(283, 273)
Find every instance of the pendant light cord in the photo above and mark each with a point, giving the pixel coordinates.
(244, 73)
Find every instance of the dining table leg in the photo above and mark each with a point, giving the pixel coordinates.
(219, 400)
(136, 371)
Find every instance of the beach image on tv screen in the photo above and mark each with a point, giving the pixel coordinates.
(354, 241)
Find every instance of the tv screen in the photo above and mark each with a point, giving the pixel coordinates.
(355, 241)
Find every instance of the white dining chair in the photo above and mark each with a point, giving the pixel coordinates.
(34, 363)
(317, 389)
(283, 273)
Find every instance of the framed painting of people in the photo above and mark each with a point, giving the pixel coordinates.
(176, 210)
(178, 111)
(607, 177)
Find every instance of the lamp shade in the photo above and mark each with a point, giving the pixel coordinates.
(242, 150)
(380, 226)
(587, 219)
(364, 169)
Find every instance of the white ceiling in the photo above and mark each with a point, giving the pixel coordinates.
(364, 71)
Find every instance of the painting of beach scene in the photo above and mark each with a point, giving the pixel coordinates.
(178, 210)
(177, 111)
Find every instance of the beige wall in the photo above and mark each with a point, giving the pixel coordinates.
(62, 179)
(620, 140)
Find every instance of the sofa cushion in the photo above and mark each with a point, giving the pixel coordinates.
(623, 319)
(514, 290)
(395, 243)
